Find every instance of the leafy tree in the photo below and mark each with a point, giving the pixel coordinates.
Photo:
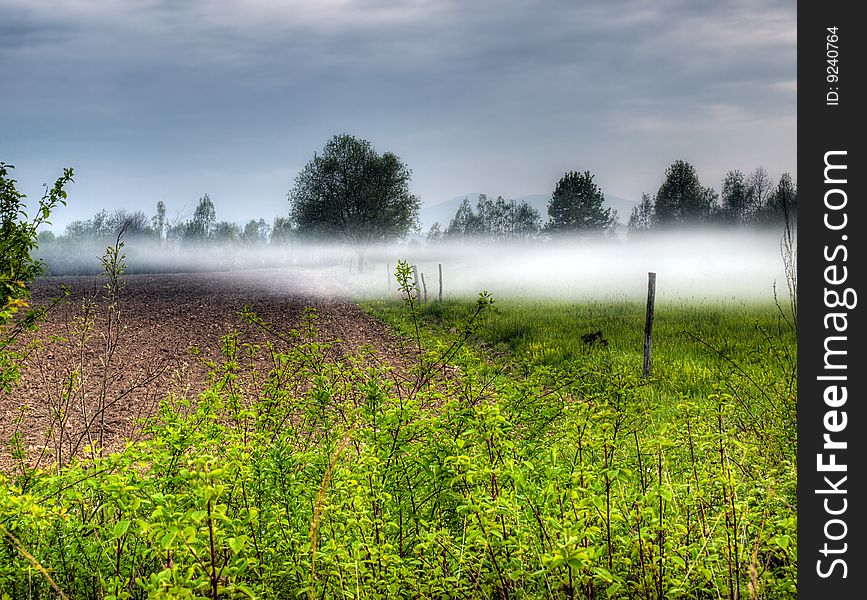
(465, 223)
(18, 268)
(352, 194)
(525, 222)
(641, 218)
(226, 232)
(256, 233)
(710, 199)
(782, 204)
(201, 227)
(498, 219)
(736, 197)
(45, 237)
(158, 222)
(435, 233)
(99, 227)
(507, 219)
(104, 226)
(681, 199)
(282, 231)
(577, 205)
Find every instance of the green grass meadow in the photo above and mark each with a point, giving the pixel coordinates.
(747, 347)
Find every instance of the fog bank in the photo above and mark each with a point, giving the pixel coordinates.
(697, 265)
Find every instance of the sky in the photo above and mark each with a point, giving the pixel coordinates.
(166, 100)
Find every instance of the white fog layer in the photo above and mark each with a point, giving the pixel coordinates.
(696, 265)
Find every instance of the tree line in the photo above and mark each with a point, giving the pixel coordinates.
(201, 228)
(576, 207)
(350, 193)
(753, 199)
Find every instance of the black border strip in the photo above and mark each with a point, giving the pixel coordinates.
(830, 121)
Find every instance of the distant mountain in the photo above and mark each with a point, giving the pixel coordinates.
(443, 212)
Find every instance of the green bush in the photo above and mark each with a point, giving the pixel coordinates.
(18, 239)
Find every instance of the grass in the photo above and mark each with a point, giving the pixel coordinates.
(697, 347)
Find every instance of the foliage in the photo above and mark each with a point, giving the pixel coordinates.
(782, 203)
(226, 232)
(104, 226)
(753, 199)
(18, 267)
(577, 205)
(330, 475)
(256, 233)
(435, 233)
(498, 219)
(641, 218)
(201, 227)
(159, 223)
(737, 201)
(681, 199)
(282, 231)
(353, 194)
(714, 363)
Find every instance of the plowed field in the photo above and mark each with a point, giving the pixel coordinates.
(169, 325)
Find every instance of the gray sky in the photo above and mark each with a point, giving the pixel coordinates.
(168, 99)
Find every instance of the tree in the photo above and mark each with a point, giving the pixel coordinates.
(577, 205)
(465, 223)
(435, 233)
(201, 227)
(498, 219)
(226, 232)
(641, 218)
(681, 199)
(282, 231)
(256, 233)
(736, 198)
(158, 222)
(782, 204)
(761, 186)
(133, 224)
(97, 228)
(354, 195)
(525, 221)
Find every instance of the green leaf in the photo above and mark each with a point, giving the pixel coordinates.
(168, 539)
(119, 529)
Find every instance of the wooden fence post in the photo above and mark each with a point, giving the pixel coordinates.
(424, 287)
(648, 323)
(415, 280)
(388, 276)
(440, 267)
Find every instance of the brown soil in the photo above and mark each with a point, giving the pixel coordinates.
(164, 319)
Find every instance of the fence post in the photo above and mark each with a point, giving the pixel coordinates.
(440, 268)
(415, 279)
(388, 276)
(648, 323)
(424, 287)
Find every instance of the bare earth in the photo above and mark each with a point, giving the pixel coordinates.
(164, 318)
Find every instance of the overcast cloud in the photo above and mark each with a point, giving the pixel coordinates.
(166, 100)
